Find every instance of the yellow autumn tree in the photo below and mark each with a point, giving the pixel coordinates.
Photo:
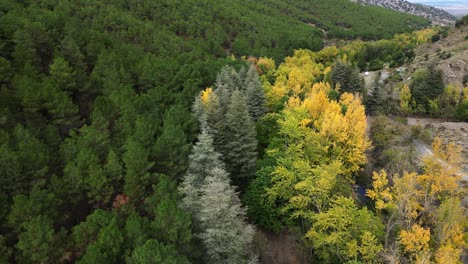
(425, 207)
(370, 248)
(205, 95)
(450, 223)
(341, 123)
(416, 243)
(451, 95)
(439, 188)
(404, 39)
(317, 103)
(327, 55)
(407, 197)
(345, 233)
(321, 143)
(319, 146)
(380, 192)
(266, 65)
(305, 173)
(295, 76)
(406, 100)
(424, 35)
(441, 173)
(295, 178)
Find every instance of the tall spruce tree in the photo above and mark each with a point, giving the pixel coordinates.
(347, 77)
(218, 105)
(201, 161)
(214, 117)
(240, 151)
(373, 102)
(254, 94)
(214, 204)
(225, 234)
(227, 81)
(243, 75)
(427, 84)
(203, 158)
(229, 113)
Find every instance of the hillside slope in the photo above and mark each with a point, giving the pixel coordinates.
(345, 19)
(450, 54)
(436, 15)
(95, 112)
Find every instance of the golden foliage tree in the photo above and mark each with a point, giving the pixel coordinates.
(416, 243)
(425, 207)
(295, 76)
(406, 100)
(380, 192)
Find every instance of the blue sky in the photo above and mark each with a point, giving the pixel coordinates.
(456, 7)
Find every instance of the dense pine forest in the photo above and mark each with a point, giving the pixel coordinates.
(180, 131)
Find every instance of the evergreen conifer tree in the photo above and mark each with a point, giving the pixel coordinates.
(427, 84)
(254, 93)
(215, 205)
(225, 234)
(347, 77)
(107, 247)
(203, 158)
(201, 161)
(214, 118)
(171, 148)
(243, 75)
(240, 151)
(154, 252)
(217, 106)
(373, 101)
(39, 243)
(227, 81)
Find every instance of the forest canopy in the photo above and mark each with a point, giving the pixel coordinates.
(138, 131)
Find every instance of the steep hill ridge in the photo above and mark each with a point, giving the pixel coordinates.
(436, 15)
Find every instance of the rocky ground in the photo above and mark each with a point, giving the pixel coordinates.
(456, 132)
(436, 15)
(450, 54)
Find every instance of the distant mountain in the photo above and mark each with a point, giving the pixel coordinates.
(436, 15)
